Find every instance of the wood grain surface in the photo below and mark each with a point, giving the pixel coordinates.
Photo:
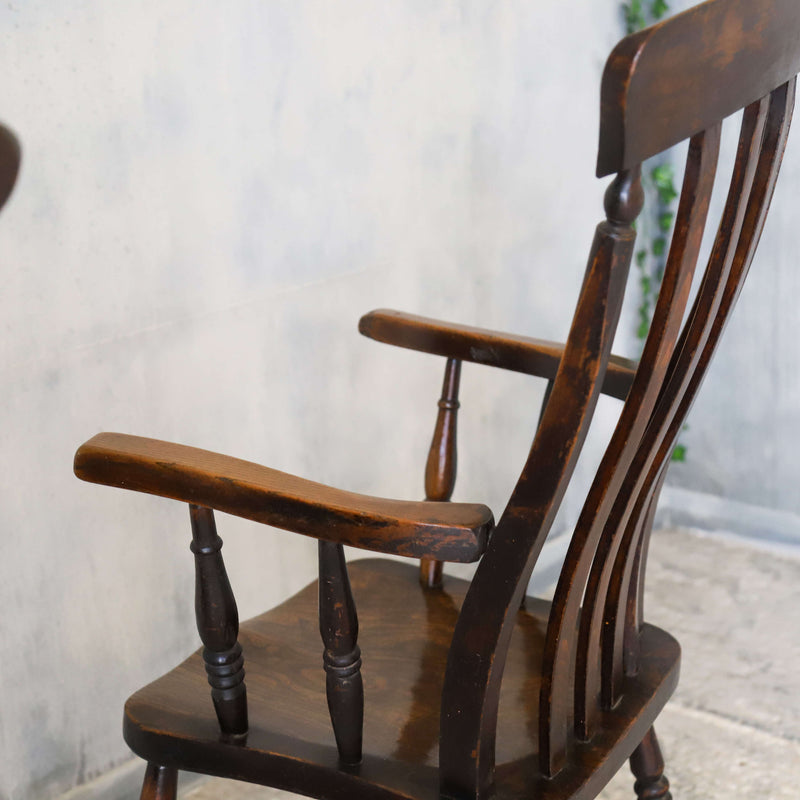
(445, 531)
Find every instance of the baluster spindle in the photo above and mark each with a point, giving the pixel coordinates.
(647, 766)
(160, 783)
(218, 624)
(440, 469)
(338, 625)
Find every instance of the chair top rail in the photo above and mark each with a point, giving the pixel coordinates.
(672, 80)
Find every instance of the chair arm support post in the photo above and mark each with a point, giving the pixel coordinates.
(440, 469)
(218, 624)
(338, 626)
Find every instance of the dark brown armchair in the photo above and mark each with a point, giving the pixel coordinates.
(466, 691)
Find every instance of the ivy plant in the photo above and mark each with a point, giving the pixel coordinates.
(658, 178)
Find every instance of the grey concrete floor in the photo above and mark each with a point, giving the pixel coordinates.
(732, 728)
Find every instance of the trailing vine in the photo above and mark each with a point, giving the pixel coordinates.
(658, 178)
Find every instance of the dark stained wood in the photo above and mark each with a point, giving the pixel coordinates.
(447, 531)
(160, 783)
(440, 468)
(10, 157)
(668, 82)
(491, 348)
(464, 694)
(338, 625)
(430, 572)
(714, 303)
(588, 678)
(291, 745)
(218, 624)
(647, 765)
(477, 657)
(561, 649)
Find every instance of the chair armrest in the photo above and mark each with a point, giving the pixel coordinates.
(445, 531)
(518, 353)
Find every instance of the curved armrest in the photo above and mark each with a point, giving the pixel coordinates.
(445, 531)
(517, 353)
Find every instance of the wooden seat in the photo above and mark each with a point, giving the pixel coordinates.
(404, 663)
(472, 690)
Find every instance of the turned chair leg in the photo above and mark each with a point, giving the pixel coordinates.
(647, 765)
(160, 783)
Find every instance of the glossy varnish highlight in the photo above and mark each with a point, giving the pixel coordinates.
(444, 688)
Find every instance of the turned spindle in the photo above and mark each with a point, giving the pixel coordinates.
(338, 625)
(218, 624)
(647, 766)
(160, 783)
(624, 197)
(440, 469)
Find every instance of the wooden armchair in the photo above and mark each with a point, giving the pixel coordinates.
(467, 691)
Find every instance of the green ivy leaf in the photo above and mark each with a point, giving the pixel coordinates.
(659, 8)
(665, 220)
(641, 258)
(641, 331)
(634, 16)
(659, 246)
(679, 453)
(663, 176)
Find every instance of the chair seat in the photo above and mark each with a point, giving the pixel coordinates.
(405, 633)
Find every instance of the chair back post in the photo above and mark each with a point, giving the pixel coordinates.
(478, 651)
(218, 624)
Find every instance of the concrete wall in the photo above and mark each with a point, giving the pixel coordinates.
(211, 196)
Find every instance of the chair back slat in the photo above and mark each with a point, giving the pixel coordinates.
(559, 647)
(587, 677)
(617, 618)
(666, 83)
(591, 641)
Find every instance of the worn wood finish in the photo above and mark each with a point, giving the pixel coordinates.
(10, 157)
(446, 531)
(477, 657)
(668, 82)
(467, 695)
(218, 624)
(588, 678)
(561, 649)
(491, 348)
(160, 783)
(722, 283)
(338, 625)
(290, 744)
(440, 468)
